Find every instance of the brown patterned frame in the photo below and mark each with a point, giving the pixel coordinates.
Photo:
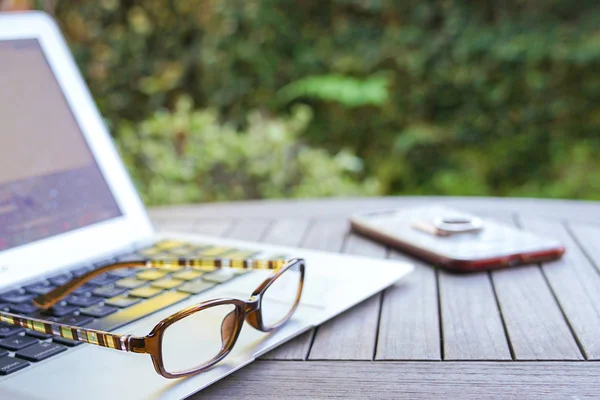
(249, 311)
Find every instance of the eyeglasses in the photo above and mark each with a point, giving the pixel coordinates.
(212, 327)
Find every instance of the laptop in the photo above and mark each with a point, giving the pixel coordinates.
(67, 206)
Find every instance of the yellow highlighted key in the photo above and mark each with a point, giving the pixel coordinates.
(167, 283)
(215, 251)
(145, 292)
(188, 275)
(129, 283)
(168, 244)
(151, 275)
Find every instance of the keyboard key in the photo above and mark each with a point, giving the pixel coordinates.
(16, 297)
(81, 271)
(130, 283)
(83, 301)
(104, 279)
(167, 283)
(40, 351)
(219, 275)
(4, 306)
(38, 335)
(23, 308)
(85, 288)
(18, 342)
(39, 288)
(59, 280)
(76, 320)
(66, 342)
(215, 251)
(151, 251)
(3, 353)
(167, 269)
(188, 275)
(160, 256)
(139, 310)
(7, 330)
(241, 254)
(145, 292)
(195, 287)
(98, 311)
(131, 258)
(8, 365)
(104, 263)
(60, 310)
(109, 291)
(122, 301)
(168, 244)
(124, 272)
(182, 252)
(151, 275)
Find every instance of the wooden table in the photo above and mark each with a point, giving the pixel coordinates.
(527, 332)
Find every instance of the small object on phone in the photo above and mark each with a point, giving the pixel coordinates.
(446, 226)
(454, 239)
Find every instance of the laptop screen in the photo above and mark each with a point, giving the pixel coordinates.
(49, 181)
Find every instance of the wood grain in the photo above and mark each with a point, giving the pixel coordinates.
(409, 380)
(175, 225)
(588, 238)
(352, 335)
(326, 234)
(471, 324)
(550, 312)
(248, 229)
(576, 285)
(286, 231)
(349, 336)
(573, 211)
(409, 326)
(322, 234)
(535, 325)
(289, 232)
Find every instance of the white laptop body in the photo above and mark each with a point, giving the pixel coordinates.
(66, 200)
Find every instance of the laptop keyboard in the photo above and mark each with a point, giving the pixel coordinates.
(108, 301)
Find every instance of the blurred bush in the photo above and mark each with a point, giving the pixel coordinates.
(437, 96)
(187, 155)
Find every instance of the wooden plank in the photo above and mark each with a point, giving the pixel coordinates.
(471, 323)
(349, 336)
(576, 285)
(472, 326)
(215, 227)
(289, 232)
(409, 380)
(249, 229)
(324, 208)
(175, 225)
(588, 237)
(324, 234)
(534, 322)
(286, 231)
(409, 326)
(352, 335)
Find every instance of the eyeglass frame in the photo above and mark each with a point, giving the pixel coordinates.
(249, 311)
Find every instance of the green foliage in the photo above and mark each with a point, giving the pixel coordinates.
(187, 155)
(345, 90)
(437, 96)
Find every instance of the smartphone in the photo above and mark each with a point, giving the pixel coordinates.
(454, 239)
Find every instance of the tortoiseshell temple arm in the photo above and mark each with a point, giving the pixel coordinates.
(54, 296)
(91, 336)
